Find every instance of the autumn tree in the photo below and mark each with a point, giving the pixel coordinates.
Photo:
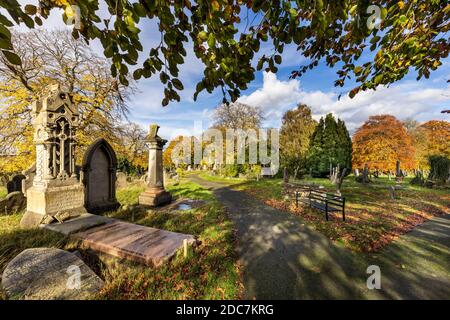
(398, 36)
(297, 127)
(382, 141)
(179, 152)
(419, 142)
(437, 137)
(331, 146)
(49, 58)
(237, 116)
(132, 138)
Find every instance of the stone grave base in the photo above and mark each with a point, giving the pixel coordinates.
(103, 207)
(153, 197)
(52, 200)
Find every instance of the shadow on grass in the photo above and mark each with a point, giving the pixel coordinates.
(284, 259)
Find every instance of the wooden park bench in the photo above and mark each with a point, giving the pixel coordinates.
(322, 201)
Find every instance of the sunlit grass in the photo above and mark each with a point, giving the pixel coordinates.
(220, 179)
(373, 218)
(210, 271)
(3, 192)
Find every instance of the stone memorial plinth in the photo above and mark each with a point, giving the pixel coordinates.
(56, 188)
(155, 194)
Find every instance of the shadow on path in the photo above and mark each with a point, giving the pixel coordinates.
(285, 259)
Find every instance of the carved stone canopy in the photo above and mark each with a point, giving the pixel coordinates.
(56, 120)
(53, 106)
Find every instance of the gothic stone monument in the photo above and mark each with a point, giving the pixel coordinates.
(99, 177)
(155, 194)
(56, 188)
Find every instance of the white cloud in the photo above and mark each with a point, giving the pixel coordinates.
(404, 100)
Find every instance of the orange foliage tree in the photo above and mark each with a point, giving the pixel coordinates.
(437, 133)
(380, 142)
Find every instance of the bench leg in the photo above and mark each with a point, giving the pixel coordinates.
(343, 214)
(296, 199)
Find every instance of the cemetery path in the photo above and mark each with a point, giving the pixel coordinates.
(282, 258)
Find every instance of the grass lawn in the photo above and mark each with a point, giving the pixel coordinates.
(373, 218)
(221, 179)
(210, 272)
(3, 192)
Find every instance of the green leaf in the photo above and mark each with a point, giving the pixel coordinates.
(4, 32)
(137, 74)
(402, 19)
(211, 40)
(30, 9)
(277, 59)
(12, 57)
(5, 44)
(177, 84)
(203, 35)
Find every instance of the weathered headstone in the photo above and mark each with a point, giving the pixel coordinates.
(13, 203)
(99, 177)
(155, 194)
(56, 187)
(121, 180)
(285, 175)
(398, 171)
(49, 274)
(29, 177)
(15, 184)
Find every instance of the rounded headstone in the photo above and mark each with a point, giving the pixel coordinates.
(49, 274)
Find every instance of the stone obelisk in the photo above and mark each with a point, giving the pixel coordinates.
(56, 189)
(155, 194)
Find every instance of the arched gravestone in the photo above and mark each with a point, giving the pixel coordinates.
(15, 184)
(99, 171)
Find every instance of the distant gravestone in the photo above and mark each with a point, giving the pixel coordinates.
(13, 203)
(15, 184)
(99, 177)
(285, 175)
(121, 180)
(49, 274)
(29, 174)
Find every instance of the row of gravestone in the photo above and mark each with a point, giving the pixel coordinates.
(98, 174)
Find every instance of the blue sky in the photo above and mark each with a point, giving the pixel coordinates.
(274, 94)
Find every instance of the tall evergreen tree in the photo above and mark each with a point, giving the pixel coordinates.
(295, 137)
(330, 146)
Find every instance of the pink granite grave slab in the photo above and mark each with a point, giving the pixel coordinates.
(146, 245)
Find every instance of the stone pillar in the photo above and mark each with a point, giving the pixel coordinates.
(155, 194)
(56, 189)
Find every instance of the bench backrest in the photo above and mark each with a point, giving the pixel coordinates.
(330, 198)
